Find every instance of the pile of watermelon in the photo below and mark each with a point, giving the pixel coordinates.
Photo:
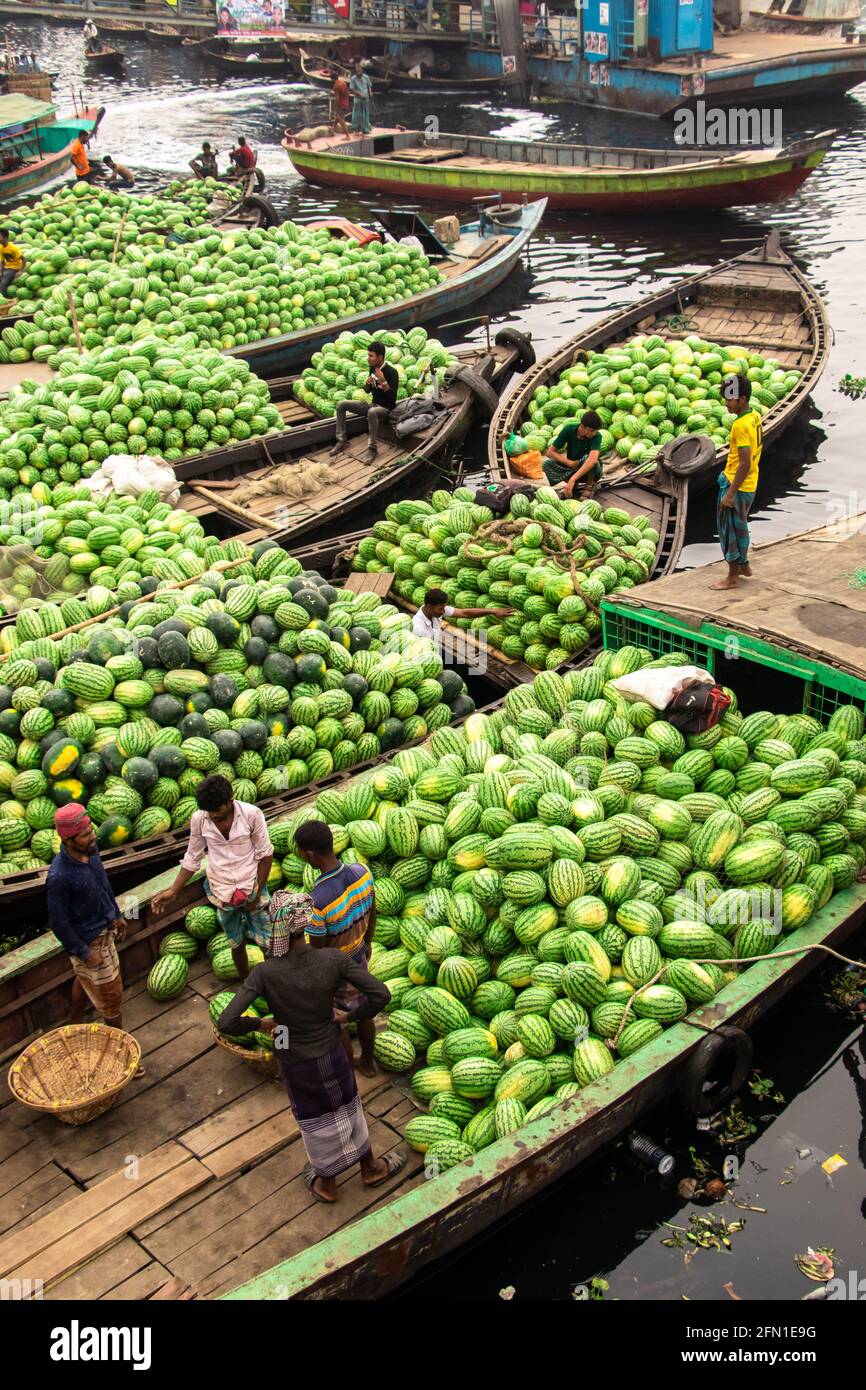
(178, 948)
(557, 880)
(225, 290)
(154, 399)
(555, 592)
(648, 391)
(272, 678)
(339, 371)
(69, 232)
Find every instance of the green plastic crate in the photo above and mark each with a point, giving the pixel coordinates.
(824, 688)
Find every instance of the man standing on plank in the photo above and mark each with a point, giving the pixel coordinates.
(303, 987)
(360, 90)
(84, 916)
(234, 836)
(739, 480)
(343, 915)
(575, 454)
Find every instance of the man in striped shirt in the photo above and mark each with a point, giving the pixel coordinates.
(343, 917)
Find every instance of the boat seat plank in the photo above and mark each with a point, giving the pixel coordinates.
(484, 250)
(29, 1163)
(310, 1221)
(422, 154)
(97, 1202)
(50, 1263)
(122, 1266)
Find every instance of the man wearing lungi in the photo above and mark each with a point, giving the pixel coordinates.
(343, 915)
(302, 986)
(739, 480)
(85, 918)
(234, 836)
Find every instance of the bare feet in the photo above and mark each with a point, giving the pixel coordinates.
(366, 1066)
(745, 571)
(323, 1189)
(729, 583)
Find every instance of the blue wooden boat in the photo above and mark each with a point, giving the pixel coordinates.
(485, 255)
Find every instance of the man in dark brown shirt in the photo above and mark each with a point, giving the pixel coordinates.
(300, 987)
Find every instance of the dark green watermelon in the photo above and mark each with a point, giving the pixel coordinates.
(166, 710)
(224, 627)
(280, 669)
(256, 650)
(198, 702)
(223, 691)
(194, 726)
(168, 760)
(58, 702)
(91, 769)
(253, 733)
(147, 651)
(141, 774)
(360, 638)
(174, 651)
(264, 626)
(229, 743)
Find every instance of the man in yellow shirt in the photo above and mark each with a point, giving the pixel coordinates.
(739, 480)
(12, 261)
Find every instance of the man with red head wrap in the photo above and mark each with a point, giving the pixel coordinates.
(85, 918)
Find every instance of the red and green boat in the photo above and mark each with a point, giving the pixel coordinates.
(34, 144)
(577, 178)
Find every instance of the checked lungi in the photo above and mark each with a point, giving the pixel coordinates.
(325, 1102)
(733, 524)
(102, 983)
(255, 926)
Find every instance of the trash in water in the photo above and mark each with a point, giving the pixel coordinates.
(508, 1292)
(731, 1291)
(817, 1264)
(833, 1163)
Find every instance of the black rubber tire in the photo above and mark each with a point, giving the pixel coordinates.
(688, 455)
(486, 398)
(716, 1070)
(261, 181)
(269, 215)
(510, 337)
(504, 212)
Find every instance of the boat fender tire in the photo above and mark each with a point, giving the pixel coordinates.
(688, 455)
(510, 337)
(486, 398)
(260, 180)
(268, 213)
(716, 1070)
(504, 212)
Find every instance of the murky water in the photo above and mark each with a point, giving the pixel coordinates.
(581, 268)
(169, 100)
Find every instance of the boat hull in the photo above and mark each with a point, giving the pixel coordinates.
(45, 173)
(631, 194)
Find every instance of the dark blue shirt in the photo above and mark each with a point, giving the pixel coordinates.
(80, 901)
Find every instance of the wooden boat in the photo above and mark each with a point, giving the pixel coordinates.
(105, 59)
(210, 480)
(580, 178)
(320, 72)
(399, 80)
(129, 28)
(253, 65)
(487, 252)
(165, 34)
(759, 300)
(35, 144)
(225, 1119)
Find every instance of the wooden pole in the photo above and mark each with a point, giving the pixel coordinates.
(72, 310)
(119, 235)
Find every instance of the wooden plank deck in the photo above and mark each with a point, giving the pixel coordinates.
(194, 1176)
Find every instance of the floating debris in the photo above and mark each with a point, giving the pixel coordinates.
(853, 386)
(764, 1088)
(594, 1290)
(731, 1292)
(833, 1164)
(703, 1232)
(846, 990)
(817, 1264)
(507, 1293)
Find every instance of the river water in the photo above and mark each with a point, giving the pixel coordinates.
(605, 1221)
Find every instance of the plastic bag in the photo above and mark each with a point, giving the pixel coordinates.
(528, 465)
(659, 684)
(129, 477)
(515, 444)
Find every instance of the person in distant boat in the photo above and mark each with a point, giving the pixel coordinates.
(118, 174)
(427, 622)
(91, 36)
(738, 481)
(574, 454)
(12, 261)
(381, 384)
(361, 91)
(226, 24)
(242, 157)
(204, 166)
(341, 103)
(78, 155)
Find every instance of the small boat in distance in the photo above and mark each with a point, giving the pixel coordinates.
(165, 34)
(578, 178)
(105, 59)
(34, 144)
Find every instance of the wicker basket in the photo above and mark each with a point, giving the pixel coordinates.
(263, 1061)
(76, 1072)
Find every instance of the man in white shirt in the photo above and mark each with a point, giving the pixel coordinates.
(427, 622)
(234, 836)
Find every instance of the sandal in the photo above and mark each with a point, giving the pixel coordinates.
(394, 1161)
(310, 1176)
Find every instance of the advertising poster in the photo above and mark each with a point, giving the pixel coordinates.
(266, 19)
